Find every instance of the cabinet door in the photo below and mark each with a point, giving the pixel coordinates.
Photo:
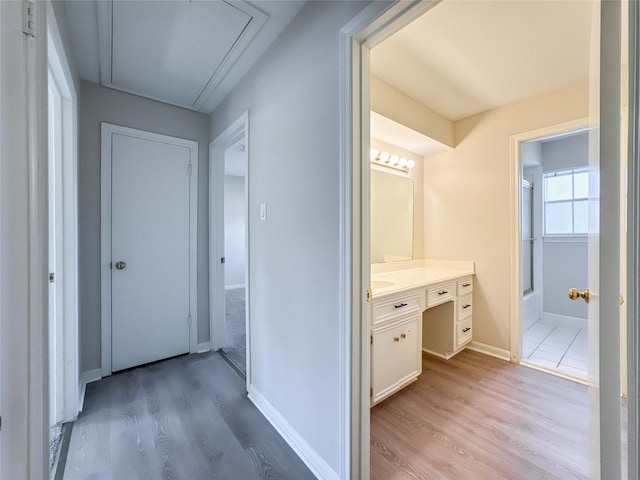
(396, 356)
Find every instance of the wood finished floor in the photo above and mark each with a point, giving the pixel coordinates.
(475, 417)
(185, 418)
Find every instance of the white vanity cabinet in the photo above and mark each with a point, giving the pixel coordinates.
(428, 309)
(448, 327)
(396, 358)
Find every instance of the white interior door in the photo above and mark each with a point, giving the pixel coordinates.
(56, 257)
(604, 242)
(150, 250)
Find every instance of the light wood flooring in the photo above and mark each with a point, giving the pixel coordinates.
(475, 417)
(184, 418)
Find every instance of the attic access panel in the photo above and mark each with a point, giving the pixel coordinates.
(173, 51)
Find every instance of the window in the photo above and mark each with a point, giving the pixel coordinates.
(566, 202)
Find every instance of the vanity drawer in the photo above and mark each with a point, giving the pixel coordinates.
(465, 285)
(463, 332)
(440, 293)
(396, 306)
(465, 306)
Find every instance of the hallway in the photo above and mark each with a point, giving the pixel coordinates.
(183, 418)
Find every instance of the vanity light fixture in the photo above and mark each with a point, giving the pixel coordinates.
(392, 161)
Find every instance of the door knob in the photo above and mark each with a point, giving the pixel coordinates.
(120, 265)
(575, 294)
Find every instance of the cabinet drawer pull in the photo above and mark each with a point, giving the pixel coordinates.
(466, 284)
(443, 292)
(400, 306)
(465, 330)
(396, 339)
(403, 335)
(466, 306)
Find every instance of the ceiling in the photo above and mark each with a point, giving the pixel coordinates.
(187, 53)
(466, 57)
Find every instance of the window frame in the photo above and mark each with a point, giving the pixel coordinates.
(570, 171)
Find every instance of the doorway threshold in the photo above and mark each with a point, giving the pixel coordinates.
(232, 364)
(556, 373)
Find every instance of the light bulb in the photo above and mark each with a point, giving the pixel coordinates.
(403, 162)
(411, 164)
(394, 160)
(384, 156)
(374, 154)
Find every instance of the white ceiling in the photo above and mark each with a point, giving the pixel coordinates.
(188, 53)
(466, 57)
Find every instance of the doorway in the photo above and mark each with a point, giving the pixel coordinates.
(229, 244)
(607, 456)
(62, 232)
(235, 255)
(555, 226)
(149, 249)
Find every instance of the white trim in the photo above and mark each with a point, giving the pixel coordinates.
(107, 130)
(204, 347)
(372, 25)
(565, 239)
(105, 44)
(515, 233)
(307, 454)
(235, 287)
(216, 235)
(577, 321)
(68, 278)
(87, 377)
(556, 373)
(633, 245)
(23, 219)
(490, 350)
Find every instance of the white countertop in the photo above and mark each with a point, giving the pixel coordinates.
(400, 276)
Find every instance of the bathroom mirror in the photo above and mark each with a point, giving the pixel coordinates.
(391, 217)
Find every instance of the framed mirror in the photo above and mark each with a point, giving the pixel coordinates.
(391, 217)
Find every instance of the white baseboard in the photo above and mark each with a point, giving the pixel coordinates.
(203, 347)
(85, 378)
(490, 350)
(307, 454)
(233, 287)
(578, 322)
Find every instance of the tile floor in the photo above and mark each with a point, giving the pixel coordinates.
(557, 344)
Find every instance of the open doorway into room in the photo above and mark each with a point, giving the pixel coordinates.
(62, 246)
(555, 227)
(229, 245)
(235, 257)
(466, 218)
(56, 383)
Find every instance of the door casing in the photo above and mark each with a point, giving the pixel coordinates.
(216, 240)
(367, 29)
(515, 166)
(105, 217)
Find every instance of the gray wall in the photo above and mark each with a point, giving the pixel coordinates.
(567, 152)
(565, 260)
(292, 98)
(234, 231)
(100, 104)
(60, 18)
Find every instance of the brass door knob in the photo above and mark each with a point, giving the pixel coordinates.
(574, 294)
(120, 265)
